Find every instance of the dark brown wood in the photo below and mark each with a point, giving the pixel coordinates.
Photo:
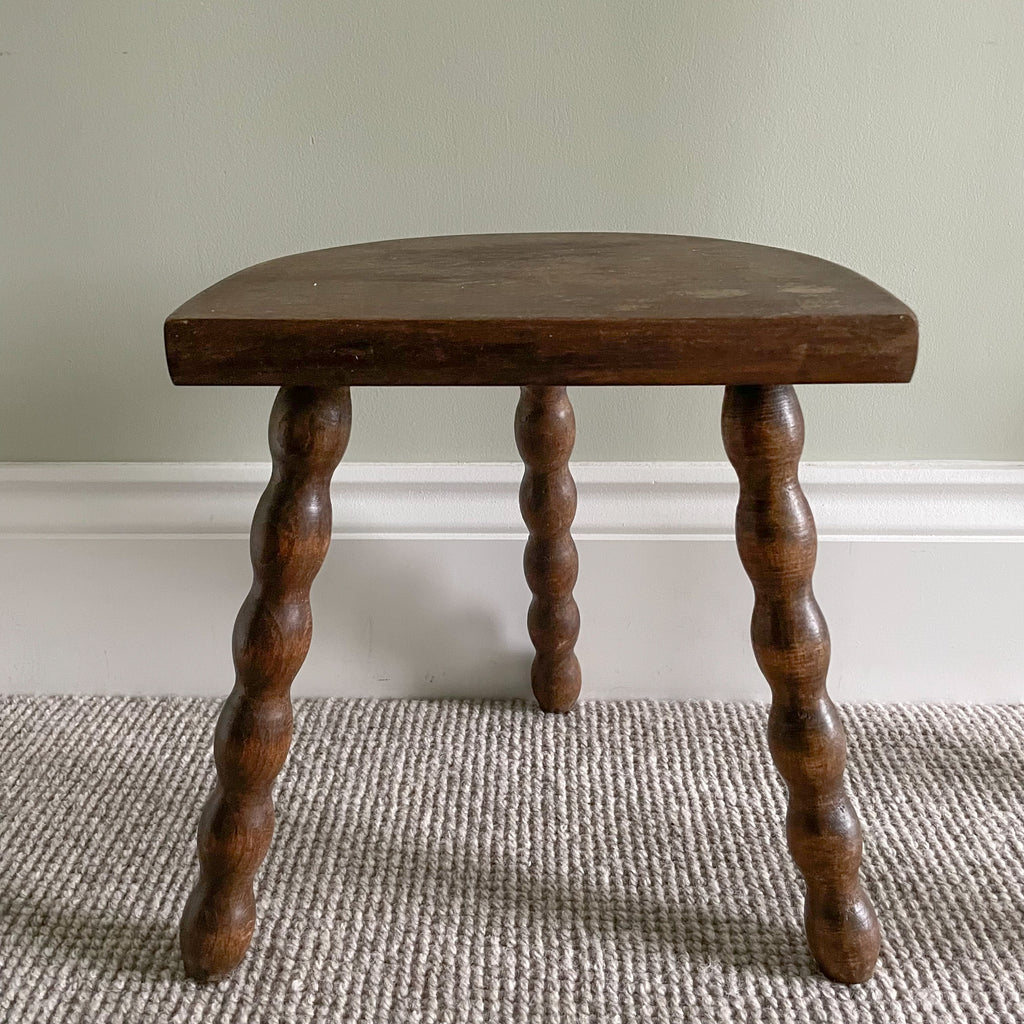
(554, 309)
(542, 311)
(764, 433)
(309, 429)
(545, 433)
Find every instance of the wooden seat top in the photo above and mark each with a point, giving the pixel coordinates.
(543, 309)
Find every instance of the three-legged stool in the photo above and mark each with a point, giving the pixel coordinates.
(540, 312)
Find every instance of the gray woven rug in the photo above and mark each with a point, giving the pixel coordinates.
(458, 861)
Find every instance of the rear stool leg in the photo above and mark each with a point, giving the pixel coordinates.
(545, 432)
(291, 530)
(763, 432)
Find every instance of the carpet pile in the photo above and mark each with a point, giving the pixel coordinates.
(459, 861)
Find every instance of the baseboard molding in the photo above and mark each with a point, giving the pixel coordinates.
(126, 578)
(876, 501)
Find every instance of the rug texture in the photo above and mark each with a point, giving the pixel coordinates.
(460, 861)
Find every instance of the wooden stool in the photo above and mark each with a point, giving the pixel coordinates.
(540, 312)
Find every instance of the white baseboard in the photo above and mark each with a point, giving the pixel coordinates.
(878, 501)
(126, 578)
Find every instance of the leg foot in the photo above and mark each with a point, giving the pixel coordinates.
(309, 430)
(545, 432)
(763, 432)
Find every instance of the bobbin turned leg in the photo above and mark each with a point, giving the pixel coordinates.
(291, 530)
(545, 432)
(764, 433)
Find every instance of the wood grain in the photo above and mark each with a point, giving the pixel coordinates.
(552, 309)
(309, 429)
(540, 311)
(763, 432)
(545, 432)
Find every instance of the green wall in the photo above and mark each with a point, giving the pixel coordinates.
(149, 149)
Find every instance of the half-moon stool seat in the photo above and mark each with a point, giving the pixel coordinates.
(541, 312)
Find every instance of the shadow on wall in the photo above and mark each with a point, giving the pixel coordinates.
(388, 615)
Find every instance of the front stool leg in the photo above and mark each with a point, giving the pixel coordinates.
(764, 433)
(309, 429)
(545, 432)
